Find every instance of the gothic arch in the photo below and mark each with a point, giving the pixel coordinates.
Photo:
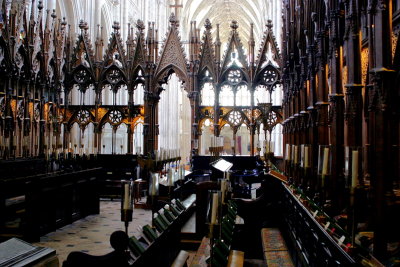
(172, 59)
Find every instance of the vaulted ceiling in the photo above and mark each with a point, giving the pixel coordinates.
(224, 11)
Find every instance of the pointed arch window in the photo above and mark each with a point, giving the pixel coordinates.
(207, 94)
(243, 96)
(226, 96)
(261, 95)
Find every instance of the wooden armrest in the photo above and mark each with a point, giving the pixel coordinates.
(236, 258)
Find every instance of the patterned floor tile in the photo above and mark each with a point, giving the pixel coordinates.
(92, 234)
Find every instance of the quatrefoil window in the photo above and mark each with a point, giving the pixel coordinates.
(235, 118)
(234, 76)
(115, 116)
(83, 116)
(270, 76)
(114, 76)
(81, 76)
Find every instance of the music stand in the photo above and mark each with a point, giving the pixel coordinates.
(218, 168)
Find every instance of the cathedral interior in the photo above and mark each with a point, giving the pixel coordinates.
(199, 133)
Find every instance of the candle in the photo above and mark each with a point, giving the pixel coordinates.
(325, 162)
(292, 152)
(306, 162)
(214, 208)
(170, 178)
(354, 169)
(126, 197)
(287, 152)
(153, 184)
(296, 154)
(137, 172)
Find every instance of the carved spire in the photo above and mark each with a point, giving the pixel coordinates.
(234, 46)
(129, 43)
(99, 43)
(115, 54)
(83, 53)
(251, 46)
(156, 46)
(150, 43)
(172, 54)
(207, 56)
(140, 52)
(37, 41)
(217, 46)
(268, 46)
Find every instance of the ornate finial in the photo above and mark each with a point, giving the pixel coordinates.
(207, 24)
(269, 24)
(140, 25)
(173, 20)
(64, 22)
(53, 15)
(116, 26)
(40, 5)
(81, 24)
(234, 25)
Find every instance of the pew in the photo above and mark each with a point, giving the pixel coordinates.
(38, 204)
(164, 241)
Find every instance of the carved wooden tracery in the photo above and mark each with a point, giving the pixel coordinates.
(46, 66)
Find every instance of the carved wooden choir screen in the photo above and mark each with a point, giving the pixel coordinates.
(56, 89)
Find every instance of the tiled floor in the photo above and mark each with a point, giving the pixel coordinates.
(92, 234)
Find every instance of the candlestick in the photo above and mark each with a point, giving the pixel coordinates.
(214, 208)
(223, 187)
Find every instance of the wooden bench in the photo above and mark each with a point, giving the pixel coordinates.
(276, 253)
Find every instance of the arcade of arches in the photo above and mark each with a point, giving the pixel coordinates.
(300, 96)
